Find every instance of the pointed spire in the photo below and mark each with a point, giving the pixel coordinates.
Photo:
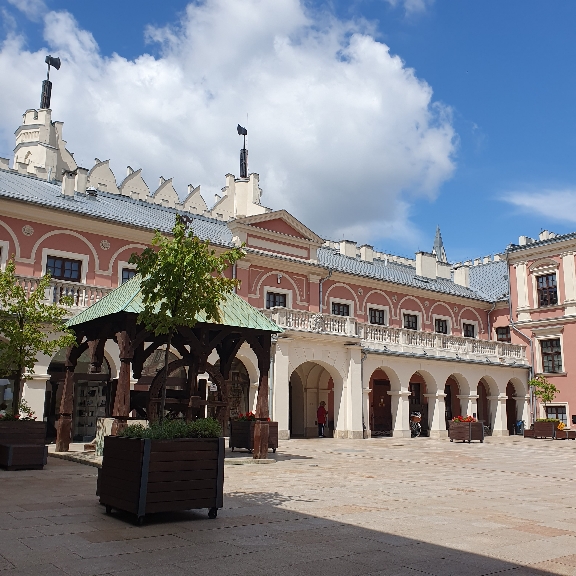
(438, 249)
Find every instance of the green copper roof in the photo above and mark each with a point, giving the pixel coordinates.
(127, 298)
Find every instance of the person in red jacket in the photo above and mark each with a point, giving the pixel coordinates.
(321, 418)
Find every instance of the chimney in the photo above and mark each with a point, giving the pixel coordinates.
(443, 270)
(544, 235)
(425, 265)
(348, 248)
(68, 179)
(81, 180)
(462, 276)
(4, 164)
(367, 253)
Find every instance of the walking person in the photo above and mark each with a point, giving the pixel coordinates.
(321, 418)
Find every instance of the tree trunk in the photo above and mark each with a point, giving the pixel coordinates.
(165, 383)
(17, 394)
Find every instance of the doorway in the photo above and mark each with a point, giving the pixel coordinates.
(381, 424)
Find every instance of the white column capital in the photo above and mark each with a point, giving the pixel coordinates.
(467, 396)
(435, 395)
(402, 393)
(500, 397)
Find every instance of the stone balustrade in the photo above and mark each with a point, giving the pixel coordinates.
(400, 340)
(83, 295)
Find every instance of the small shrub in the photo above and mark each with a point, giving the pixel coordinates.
(171, 429)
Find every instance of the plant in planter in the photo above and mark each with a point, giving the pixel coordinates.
(22, 440)
(546, 392)
(242, 432)
(175, 465)
(466, 429)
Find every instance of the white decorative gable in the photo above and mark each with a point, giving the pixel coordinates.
(134, 186)
(101, 177)
(165, 194)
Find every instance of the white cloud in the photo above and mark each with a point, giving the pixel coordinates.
(33, 9)
(412, 6)
(557, 205)
(343, 134)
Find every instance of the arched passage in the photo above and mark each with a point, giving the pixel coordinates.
(418, 400)
(452, 405)
(309, 384)
(380, 404)
(515, 404)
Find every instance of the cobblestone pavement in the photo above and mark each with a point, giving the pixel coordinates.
(326, 508)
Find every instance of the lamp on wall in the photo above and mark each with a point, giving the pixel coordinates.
(279, 278)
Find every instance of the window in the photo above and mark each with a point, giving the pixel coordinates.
(377, 316)
(547, 293)
(411, 321)
(551, 355)
(558, 412)
(128, 274)
(64, 269)
(441, 326)
(275, 299)
(468, 330)
(340, 309)
(503, 334)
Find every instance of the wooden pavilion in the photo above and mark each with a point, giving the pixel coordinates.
(115, 317)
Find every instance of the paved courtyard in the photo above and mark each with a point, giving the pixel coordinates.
(325, 508)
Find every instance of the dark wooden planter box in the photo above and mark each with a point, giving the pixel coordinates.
(528, 433)
(565, 434)
(22, 445)
(242, 435)
(147, 476)
(466, 431)
(545, 429)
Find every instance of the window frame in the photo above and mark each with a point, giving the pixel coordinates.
(63, 261)
(546, 274)
(544, 410)
(411, 315)
(509, 340)
(448, 321)
(560, 353)
(342, 301)
(384, 309)
(126, 269)
(84, 258)
(472, 323)
(275, 293)
(278, 291)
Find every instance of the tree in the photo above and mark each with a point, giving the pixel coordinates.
(543, 389)
(180, 279)
(28, 325)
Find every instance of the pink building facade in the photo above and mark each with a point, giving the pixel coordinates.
(374, 335)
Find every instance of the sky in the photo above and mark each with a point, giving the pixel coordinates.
(370, 120)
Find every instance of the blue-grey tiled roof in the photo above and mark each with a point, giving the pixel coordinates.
(487, 281)
(392, 272)
(490, 280)
(106, 206)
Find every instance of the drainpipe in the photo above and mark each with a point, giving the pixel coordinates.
(520, 333)
(234, 274)
(489, 327)
(322, 280)
(363, 357)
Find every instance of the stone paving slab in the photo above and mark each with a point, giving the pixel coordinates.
(381, 507)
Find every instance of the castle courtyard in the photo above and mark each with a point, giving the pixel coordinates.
(325, 507)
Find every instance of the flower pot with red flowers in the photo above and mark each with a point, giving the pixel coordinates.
(22, 440)
(242, 432)
(466, 429)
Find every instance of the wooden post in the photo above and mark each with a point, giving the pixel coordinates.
(122, 398)
(261, 426)
(64, 426)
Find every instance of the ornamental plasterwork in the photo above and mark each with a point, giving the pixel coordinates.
(27, 230)
(105, 245)
(426, 303)
(455, 308)
(360, 291)
(394, 298)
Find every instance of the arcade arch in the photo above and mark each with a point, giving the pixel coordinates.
(311, 383)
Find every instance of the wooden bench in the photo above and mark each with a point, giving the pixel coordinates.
(22, 445)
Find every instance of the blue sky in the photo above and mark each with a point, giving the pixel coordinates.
(504, 73)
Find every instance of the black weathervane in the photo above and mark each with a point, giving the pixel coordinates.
(243, 153)
(47, 85)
